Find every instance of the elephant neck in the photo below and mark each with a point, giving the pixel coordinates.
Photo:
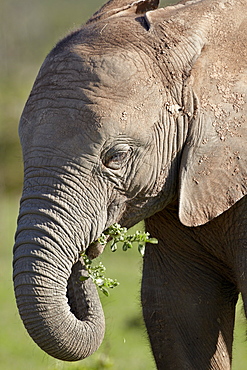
(209, 243)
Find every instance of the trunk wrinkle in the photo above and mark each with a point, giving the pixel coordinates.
(63, 315)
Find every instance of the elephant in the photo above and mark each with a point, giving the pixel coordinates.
(140, 114)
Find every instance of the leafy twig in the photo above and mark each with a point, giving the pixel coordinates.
(117, 235)
(97, 274)
(120, 234)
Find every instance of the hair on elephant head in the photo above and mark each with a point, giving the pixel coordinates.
(139, 114)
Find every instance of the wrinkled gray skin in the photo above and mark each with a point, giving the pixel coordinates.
(140, 114)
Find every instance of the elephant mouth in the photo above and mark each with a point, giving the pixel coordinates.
(96, 248)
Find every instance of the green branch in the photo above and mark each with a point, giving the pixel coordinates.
(117, 235)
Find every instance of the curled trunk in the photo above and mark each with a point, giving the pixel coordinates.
(62, 314)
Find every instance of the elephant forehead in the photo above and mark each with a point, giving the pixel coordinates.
(72, 80)
(108, 69)
(122, 76)
(106, 93)
(121, 90)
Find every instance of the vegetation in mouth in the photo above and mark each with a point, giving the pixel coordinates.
(118, 235)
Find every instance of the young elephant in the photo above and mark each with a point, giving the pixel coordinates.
(140, 114)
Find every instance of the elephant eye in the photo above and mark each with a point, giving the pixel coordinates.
(117, 156)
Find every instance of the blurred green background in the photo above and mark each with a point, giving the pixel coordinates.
(28, 31)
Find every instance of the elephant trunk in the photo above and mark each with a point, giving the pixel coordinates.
(62, 314)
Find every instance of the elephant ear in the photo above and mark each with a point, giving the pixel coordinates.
(206, 60)
(213, 173)
(123, 7)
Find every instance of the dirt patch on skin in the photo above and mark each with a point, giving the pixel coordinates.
(222, 91)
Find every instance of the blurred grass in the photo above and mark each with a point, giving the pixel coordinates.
(28, 31)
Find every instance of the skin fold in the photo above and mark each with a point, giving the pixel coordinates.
(139, 114)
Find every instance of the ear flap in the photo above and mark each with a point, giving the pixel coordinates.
(121, 7)
(213, 172)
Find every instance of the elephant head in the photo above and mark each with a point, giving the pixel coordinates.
(113, 131)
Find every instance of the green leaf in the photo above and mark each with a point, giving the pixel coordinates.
(126, 245)
(105, 291)
(102, 239)
(141, 249)
(83, 278)
(153, 241)
(114, 247)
